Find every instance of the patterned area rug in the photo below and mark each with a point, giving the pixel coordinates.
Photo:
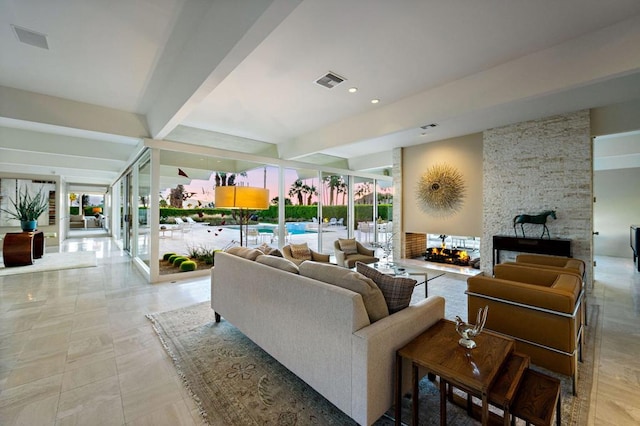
(237, 383)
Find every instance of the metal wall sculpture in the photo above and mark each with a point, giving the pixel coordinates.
(441, 190)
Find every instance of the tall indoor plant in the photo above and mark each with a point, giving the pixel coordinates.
(27, 208)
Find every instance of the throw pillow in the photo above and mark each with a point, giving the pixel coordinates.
(300, 251)
(245, 252)
(397, 291)
(372, 297)
(348, 246)
(267, 249)
(278, 262)
(275, 252)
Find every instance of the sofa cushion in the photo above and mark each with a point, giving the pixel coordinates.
(278, 262)
(245, 252)
(372, 297)
(267, 249)
(397, 291)
(301, 251)
(348, 245)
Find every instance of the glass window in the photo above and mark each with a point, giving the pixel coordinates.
(302, 223)
(335, 209)
(144, 197)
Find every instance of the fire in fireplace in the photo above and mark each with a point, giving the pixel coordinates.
(445, 255)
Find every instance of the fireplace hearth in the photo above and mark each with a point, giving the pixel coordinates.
(448, 256)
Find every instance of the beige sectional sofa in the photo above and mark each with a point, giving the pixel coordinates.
(319, 331)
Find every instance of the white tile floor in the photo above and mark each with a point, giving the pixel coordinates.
(76, 348)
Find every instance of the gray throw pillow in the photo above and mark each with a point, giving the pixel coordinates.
(278, 262)
(372, 297)
(267, 249)
(397, 291)
(245, 252)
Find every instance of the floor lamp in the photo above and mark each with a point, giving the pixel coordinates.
(244, 199)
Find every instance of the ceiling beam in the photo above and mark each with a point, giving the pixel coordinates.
(33, 107)
(227, 33)
(29, 141)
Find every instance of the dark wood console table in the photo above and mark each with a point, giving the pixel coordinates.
(555, 247)
(20, 248)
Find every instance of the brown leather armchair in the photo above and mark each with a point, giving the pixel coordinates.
(565, 265)
(554, 263)
(349, 260)
(539, 308)
(315, 256)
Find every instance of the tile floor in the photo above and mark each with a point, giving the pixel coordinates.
(76, 348)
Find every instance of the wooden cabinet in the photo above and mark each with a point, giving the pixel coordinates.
(554, 247)
(20, 248)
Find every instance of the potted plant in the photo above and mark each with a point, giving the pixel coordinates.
(27, 208)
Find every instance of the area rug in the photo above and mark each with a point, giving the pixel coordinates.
(53, 262)
(234, 382)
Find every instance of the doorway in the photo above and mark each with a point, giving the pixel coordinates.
(616, 173)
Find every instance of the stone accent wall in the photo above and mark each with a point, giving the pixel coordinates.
(415, 244)
(540, 165)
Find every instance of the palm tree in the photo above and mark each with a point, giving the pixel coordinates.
(227, 179)
(333, 183)
(297, 190)
(343, 189)
(361, 192)
(310, 191)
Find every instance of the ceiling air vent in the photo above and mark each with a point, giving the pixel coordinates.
(31, 37)
(330, 80)
(428, 126)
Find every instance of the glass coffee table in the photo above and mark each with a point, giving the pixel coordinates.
(400, 270)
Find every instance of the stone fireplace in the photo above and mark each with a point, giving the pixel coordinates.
(459, 251)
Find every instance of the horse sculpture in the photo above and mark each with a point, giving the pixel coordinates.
(540, 219)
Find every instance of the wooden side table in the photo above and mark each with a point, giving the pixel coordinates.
(503, 392)
(538, 399)
(437, 350)
(20, 248)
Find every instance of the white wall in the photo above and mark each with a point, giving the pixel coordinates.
(463, 153)
(617, 207)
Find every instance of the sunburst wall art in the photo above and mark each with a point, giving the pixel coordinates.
(441, 190)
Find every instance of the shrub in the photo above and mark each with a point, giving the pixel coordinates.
(193, 252)
(173, 257)
(188, 265)
(166, 256)
(178, 260)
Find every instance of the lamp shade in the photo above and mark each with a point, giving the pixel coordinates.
(242, 197)
(97, 210)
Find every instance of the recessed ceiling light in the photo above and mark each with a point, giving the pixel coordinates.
(353, 89)
(375, 101)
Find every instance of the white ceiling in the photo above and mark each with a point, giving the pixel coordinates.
(239, 75)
